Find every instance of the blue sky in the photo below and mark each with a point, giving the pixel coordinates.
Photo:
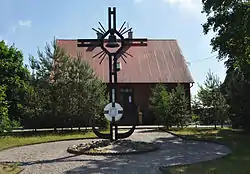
(30, 24)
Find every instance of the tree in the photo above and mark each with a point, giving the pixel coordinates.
(53, 65)
(13, 75)
(160, 105)
(229, 19)
(236, 91)
(65, 90)
(178, 106)
(4, 119)
(221, 108)
(196, 106)
(212, 99)
(170, 108)
(84, 93)
(34, 103)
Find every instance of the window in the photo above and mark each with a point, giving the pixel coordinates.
(126, 90)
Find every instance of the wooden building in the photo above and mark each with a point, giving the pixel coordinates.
(161, 61)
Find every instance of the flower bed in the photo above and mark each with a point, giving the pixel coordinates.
(105, 147)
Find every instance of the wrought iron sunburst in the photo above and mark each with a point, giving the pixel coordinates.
(127, 42)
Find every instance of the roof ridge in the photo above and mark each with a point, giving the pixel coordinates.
(148, 39)
(66, 39)
(162, 39)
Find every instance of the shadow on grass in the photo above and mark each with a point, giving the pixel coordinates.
(149, 130)
(56, 160)
(226, 137)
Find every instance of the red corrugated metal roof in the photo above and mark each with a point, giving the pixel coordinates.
(160, 61)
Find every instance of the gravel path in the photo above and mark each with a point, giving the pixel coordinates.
(52, 158)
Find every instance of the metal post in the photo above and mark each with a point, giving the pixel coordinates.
(113, 71)
(115, 88)
(115, 68)
(114, 18)
(109, 18)
(110, 94)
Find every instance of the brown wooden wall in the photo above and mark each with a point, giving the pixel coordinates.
(142, 93)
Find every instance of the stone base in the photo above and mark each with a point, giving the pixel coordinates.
(119, 147)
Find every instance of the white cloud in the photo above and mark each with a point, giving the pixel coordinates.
(25, 23)
(187, 5)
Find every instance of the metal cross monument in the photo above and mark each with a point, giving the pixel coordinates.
(113, 110)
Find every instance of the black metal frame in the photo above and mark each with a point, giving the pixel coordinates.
(113, 57)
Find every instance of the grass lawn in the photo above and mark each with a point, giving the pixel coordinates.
(9, 169)
(236, 163)
(12, 141)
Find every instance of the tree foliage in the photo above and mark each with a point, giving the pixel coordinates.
(212, 100)
(230, 20)
(236, 91)
(179, 106)
(4, 119)
(13, 75)
(5, 123)
(160, 105)
(63, 90)
(170, 108)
